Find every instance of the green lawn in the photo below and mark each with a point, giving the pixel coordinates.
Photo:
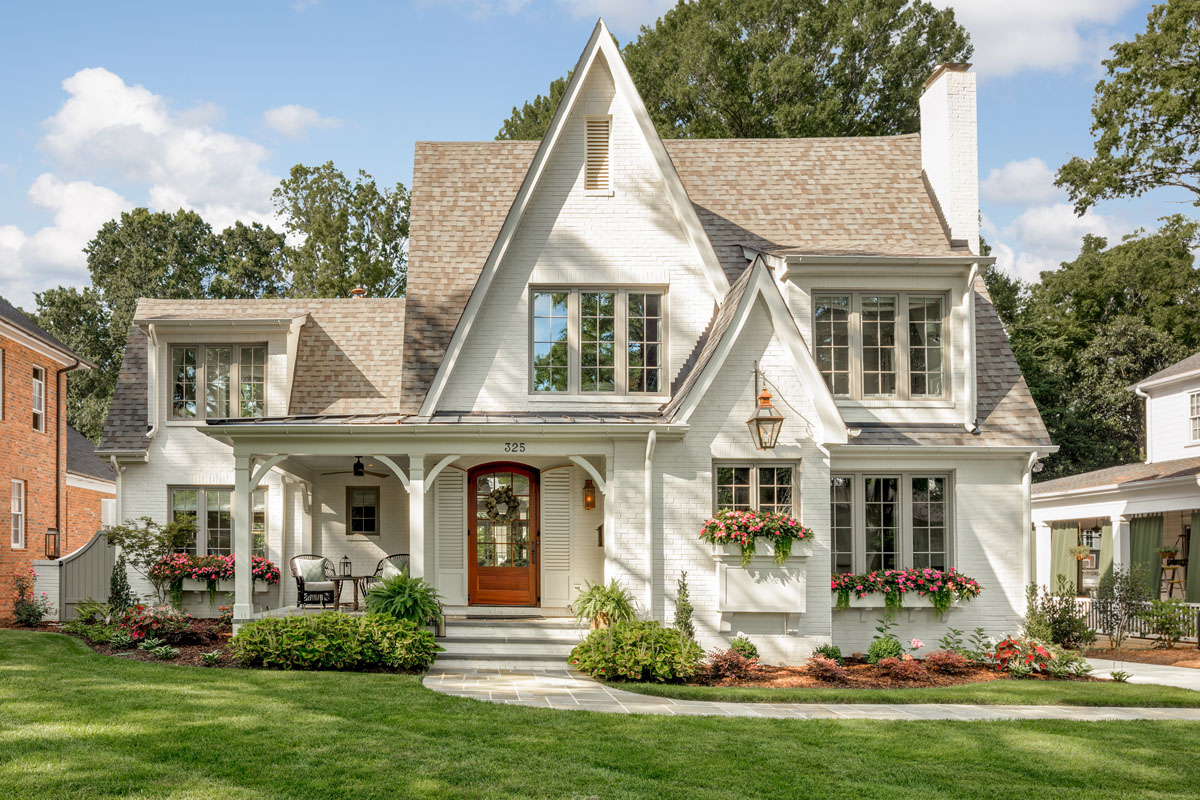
(1006, 692)
(75, 724)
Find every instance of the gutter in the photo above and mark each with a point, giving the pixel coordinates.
(1112, 488)
(1142, 393)
(672, 431)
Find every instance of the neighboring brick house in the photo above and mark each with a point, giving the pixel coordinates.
(34, 449)
(588, 321)
(91, 492)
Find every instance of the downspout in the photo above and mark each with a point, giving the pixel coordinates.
(970, 421)
(1027, 518)
(648, 517)
(1142, 393)
(152, 363)
(117, 471)
(59, 443)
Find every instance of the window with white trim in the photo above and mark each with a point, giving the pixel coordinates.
(17, 506)
(597, 341)
(39, 399)
(218, 381)
(1194, 415)
(211, 508)
(755, 486)
(890, 521)
(881, 344)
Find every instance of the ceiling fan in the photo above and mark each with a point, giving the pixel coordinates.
(358, 471)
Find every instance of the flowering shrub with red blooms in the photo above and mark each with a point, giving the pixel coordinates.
(1025, 650)
(744, 527)
(827, 669)
(942, 587)
(905, 668)
(162, 622)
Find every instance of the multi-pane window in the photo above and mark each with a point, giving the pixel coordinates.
(362, 510)
(597, 342)
(17, 506)
(757, 487)
(39, 399)
(551, 349)
(889, 522)
(211, 510)
(881, 345)
(218, 381)
(1194, 415)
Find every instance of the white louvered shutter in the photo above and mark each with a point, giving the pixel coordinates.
(450, 528)
(596, 170)
(556, 535)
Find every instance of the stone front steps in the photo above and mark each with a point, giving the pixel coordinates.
(523, 643)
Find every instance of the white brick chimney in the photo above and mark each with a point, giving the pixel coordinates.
(950, 148)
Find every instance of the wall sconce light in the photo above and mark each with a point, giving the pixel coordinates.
(589, 495)
(51, 543)
(766, 421)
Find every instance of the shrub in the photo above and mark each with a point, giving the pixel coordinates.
(905, 668)
(1119, 601)
(601, 605)
(731, 664)
(334, 641)
(120, 595)
(120, 640)
(93, 611)
(27, 609)
(743, 645)
(1026, 650)
(1056, 616)
(824, 668)
(99, 634)
(830, 651)
(1019, 669)
(885, 645)
(683, 608)
(947, 662)
(149, 643)
(162, 622)
(145, 543)
(1168, 620)
(1068, 664)
(1120, 676)
(75, 627)
(165, 652)
(404, 597)
(210, 659)
(637, 651)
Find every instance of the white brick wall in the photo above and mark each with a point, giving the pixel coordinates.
(949, 151)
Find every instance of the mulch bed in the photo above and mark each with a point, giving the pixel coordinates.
(205, 636)
(869, 676)
(1182, 656)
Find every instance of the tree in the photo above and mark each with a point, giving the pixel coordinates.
(250, 262)
(351, 234)
(145, 543)
(532, 120)
(775, 68)
(1146, 114)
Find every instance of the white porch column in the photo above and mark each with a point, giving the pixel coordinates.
(243, 583)
(416, 515)
(1041, 549)
(1120, 526)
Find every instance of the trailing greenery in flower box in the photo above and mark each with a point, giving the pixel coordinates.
(941, 587)
(172, 570)
(743, 528)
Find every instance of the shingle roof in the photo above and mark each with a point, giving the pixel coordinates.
(1125, 473)
(9, 313)
(349, 358)
(82, 458)
(861, 194)
(1188, 364)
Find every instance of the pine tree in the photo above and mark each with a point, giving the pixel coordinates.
(683, 608)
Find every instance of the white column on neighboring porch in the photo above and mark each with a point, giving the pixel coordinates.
(1041, 554)
(416, 515)
(243, 582)
(1120, 527)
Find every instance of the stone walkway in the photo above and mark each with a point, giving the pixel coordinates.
(575, 691)
(1179, 677)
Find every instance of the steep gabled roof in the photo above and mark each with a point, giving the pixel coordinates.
(82, 458)
(1189, 364)
(10, 315)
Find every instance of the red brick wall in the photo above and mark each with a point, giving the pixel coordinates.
(26, 454)
(82, 516)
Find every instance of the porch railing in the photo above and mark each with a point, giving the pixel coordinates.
(1138, 626)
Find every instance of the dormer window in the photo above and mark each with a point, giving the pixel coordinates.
(596, 155)
(881, 344)
(218, 381)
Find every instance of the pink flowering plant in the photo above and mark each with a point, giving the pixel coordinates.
(172, 569)
(942, 587)
(743, 528)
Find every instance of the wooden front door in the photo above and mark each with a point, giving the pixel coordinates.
(502, 559)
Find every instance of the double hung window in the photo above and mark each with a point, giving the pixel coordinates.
(1194, 416)
(17, 506)
(757, 487)
(39, 399)
(218, 381)
(211, 509)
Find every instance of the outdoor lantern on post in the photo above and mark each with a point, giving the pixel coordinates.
(51, 543)
(347, 568)
(766, 420)
(589, 495)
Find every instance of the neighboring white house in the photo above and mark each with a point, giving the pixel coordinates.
(1132, 513)
(585, 316)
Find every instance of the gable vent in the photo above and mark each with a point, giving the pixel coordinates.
(596, 166)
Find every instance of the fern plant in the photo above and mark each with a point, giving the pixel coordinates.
(404, 597)
(601, 606)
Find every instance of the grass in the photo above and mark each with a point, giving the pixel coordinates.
(76, 724)
(1002, 692)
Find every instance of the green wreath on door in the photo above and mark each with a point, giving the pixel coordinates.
(502, 506)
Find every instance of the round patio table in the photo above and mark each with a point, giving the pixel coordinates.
(355, 581)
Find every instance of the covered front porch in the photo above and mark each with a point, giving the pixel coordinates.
(356, 493)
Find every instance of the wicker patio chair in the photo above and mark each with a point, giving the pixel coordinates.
(310, 591)
(388, 566)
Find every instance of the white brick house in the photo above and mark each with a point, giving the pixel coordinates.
(588, 311)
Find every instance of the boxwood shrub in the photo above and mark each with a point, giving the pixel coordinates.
(638, 651)
(334, 641)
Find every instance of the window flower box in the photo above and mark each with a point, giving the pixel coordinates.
(911, 601)
(764, 550)
(226, 585)
(895, 589)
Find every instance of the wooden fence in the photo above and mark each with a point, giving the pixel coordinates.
(76, 576)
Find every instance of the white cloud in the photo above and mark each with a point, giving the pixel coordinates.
(1042, 237)
(628, 15)
(480, 9)
(293, 121)
(1020, 183)
(1057, 35)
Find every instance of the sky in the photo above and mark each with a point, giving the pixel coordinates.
(110, 106)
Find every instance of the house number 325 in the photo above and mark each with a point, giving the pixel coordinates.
(514, 447)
